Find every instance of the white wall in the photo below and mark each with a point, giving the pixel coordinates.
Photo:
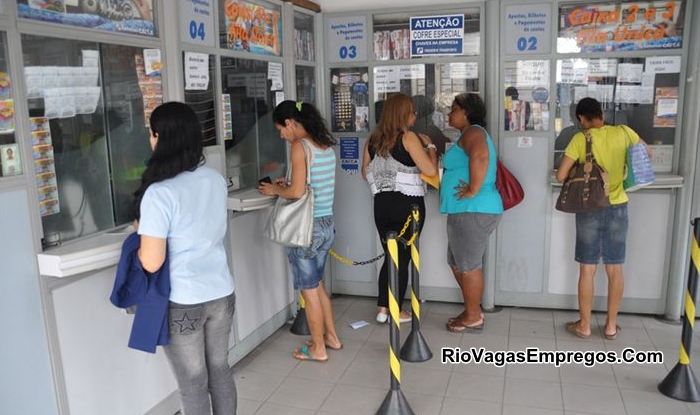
(26, 385)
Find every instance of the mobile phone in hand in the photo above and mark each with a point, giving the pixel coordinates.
(265, 179)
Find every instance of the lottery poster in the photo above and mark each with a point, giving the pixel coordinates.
(349, 100)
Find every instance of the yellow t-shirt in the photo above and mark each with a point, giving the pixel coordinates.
(610, 151)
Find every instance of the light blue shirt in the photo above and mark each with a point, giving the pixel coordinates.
(456, 168)
(189, 210)
(323, 181)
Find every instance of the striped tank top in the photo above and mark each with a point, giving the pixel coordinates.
(323, 180)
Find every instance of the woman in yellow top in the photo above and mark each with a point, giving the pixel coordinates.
(603, 233)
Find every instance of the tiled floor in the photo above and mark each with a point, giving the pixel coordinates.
(356, 379)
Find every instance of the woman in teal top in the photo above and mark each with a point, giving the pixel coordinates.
(469, 197)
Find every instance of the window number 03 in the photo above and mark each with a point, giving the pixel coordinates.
(347, 52)
(527, 44)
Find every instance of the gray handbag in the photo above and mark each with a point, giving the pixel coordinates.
(291, 221)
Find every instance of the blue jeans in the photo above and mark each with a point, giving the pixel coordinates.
(198, 355)
(307, 263)
(602, 234)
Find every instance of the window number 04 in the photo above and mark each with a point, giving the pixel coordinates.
(527, 44)
(347, 52)
(196, 30)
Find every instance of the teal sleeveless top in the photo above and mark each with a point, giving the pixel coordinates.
(456, 168)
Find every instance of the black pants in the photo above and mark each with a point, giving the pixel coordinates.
(391, 209)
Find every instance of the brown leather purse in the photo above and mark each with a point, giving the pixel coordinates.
(586, 188)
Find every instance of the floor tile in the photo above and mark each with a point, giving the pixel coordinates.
(593, 399)
(354, 400)
(652, 403)
(476, 387)
(458, 406)
(533, 393)
(301, 393)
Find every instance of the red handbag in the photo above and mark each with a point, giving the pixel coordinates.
(508, 186)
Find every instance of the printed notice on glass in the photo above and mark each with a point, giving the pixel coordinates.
(347, 39)
(274, 73)
(663, 64)
(528, 29)
(196, 71)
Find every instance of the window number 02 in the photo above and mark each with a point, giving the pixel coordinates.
(196, 30)
(347, 52)
(527, 44)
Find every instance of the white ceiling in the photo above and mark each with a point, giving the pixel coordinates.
(331, 6)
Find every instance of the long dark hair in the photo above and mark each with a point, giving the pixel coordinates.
(178, 149)
(474, 106)
(308, 116)
(396, 112)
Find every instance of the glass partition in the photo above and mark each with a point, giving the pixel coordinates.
(88, 105)
(10, 160)
(526, 95)
(254, 148)
(639, 92)
(433, 88)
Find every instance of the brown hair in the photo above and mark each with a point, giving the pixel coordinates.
(396, 111)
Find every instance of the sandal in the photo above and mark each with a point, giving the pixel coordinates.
(572, 327)
(305, 354)
(457, 327)
(612, 336)
(328, 345)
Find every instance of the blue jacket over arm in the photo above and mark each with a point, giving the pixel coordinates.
(150, 292)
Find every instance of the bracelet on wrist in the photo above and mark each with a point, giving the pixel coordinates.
(431, 146)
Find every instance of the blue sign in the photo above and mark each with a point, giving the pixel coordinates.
(350, 154)
(437, 35)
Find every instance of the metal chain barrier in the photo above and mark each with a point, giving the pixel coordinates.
(409, 242)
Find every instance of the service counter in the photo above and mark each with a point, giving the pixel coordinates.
(530, 258)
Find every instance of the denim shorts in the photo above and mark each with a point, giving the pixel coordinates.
(602, 234)
(307, 263)
(467, 236)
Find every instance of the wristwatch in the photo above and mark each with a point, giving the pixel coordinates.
(431, 145)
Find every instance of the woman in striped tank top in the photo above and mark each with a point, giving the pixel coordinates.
(298, 121)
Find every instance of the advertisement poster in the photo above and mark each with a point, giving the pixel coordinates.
(349, 100)
(252, 28)
(123, 16)
(666, 107)
(9, 160)
(151, 88)
(621, 26)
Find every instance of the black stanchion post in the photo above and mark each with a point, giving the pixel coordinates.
(415, 348)
(395, 402)
(300, 326)
(681, 383)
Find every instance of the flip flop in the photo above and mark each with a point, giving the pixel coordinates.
(305, 354)
(572, 327)
(452, 320)
(457, 327)
(328, 345)
(612, 336)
